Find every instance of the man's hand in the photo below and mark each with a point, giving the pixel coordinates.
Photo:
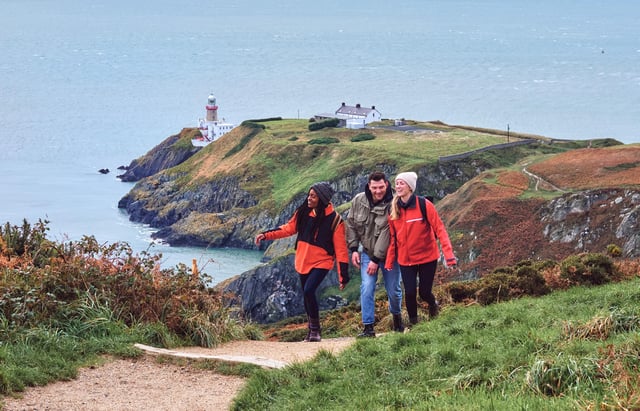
(355, 259)
(372, 268)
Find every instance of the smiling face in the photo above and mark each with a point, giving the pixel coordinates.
(312, 199)
(402, 189)
(378, 189)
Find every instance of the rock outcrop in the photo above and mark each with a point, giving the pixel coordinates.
(271, 292)
(172, 151)
(593, 219)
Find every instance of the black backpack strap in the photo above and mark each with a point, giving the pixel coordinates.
(422, 202)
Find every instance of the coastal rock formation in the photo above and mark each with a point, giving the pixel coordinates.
(219, 213)
(271, 292)
(165, 155)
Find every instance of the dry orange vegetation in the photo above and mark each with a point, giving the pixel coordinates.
(462, 205)
(488, 221)
(589, 168)
(513, 179)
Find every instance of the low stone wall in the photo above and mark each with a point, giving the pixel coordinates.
(466, 154)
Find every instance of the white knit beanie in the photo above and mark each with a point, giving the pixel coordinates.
(410, 178)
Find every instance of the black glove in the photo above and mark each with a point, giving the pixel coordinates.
(343, 273)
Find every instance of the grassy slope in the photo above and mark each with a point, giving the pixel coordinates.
(282, 154)
(575, 349)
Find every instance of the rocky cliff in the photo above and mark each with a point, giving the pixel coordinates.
(172, 151)
(270, 292)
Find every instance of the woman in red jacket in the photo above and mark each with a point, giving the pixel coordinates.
(321, 240)
(413, 231)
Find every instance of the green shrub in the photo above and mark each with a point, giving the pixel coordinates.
(530, 281)
(587, 269)
(362, 137)
(502, 270)
(260, 120)
(319, 125)
(27, 241)
(87, 277)
(324, 140)
(495, 288)
(613, 250)
(461, 290)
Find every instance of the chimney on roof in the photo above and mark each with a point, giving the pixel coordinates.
(343, 104)
(373, 107)
(358, 105)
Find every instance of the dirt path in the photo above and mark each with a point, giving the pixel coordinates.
(145, 384)
(541, 182)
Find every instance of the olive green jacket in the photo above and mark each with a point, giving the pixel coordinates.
(367, 224)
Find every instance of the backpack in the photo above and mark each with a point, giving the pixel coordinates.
(422, 203)
(336, 220)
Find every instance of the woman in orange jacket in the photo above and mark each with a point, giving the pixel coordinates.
(320, 241)
(414, 227)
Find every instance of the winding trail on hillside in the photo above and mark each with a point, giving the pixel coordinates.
(539, 180)
(149, 383)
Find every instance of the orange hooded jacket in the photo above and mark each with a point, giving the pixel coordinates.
(319, 252)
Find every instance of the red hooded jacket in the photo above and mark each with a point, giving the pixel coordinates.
(413, 240)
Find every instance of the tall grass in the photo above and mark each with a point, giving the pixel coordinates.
(520, 354)
(63, 305)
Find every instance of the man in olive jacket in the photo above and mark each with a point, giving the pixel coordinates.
(367, 226)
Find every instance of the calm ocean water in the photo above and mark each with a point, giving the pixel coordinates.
(89, 85)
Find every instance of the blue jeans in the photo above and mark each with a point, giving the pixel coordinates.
(368, 289)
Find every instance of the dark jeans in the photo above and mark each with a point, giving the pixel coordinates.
(310, 283)
(423, 274)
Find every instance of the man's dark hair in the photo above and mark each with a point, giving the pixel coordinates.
(377, 176)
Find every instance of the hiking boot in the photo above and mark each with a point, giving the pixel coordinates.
(434, 310)
(368, 332)
(397, 323)
(314, 331)
(413, 320)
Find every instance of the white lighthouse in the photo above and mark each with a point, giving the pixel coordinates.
(210, 128)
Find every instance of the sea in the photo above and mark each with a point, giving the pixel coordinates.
(94, 84)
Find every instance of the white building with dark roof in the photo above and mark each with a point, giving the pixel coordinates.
(353, 116)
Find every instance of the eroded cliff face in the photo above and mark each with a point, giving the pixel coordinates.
(219, 213)
(593, 219)
(210, 214)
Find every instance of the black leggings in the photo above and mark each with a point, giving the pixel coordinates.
(310, 283)
(424, 274)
